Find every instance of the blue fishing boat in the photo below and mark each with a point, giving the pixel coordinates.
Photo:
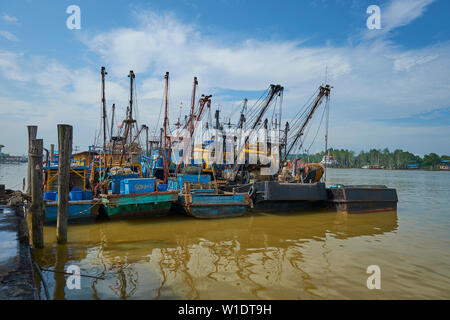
(201, 198)
(138, 197)
(78, 210)
(81, 205)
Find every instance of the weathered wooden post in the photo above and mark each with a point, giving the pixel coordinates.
(65, 152)
(32, 133)
(37, 207)
(52, 153)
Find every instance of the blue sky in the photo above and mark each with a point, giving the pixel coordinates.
(391, 86)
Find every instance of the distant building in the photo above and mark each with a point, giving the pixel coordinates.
(11, 159)
(445, 165)
(412, 167)
(14, 159)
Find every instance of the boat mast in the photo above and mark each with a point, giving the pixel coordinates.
(130, 126)
(112, 143)
(103, 72)
(146, 140)
(129, 120)
(193, 104)
(166, 120)
(112, 119)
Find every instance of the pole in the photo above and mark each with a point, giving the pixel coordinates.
(326, 136)
(32, 132)
(166, 120)
(52, 153)
(193, 104)
(37, 206)
(146, 140)
(112, 119)
(132, 76)
(103, 72)
(65, 134)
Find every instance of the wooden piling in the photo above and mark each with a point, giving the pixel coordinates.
(37, 206)
(32, 133)
(52, 153)
(65, 136)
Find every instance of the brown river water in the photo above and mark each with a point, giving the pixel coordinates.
(304, 255)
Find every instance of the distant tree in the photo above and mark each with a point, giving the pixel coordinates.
(430, 161)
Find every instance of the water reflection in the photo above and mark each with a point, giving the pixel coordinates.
(262, 256)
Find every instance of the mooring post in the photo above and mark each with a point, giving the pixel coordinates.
(37, 207)
(32, 133)
(65, 154)
(52, 153)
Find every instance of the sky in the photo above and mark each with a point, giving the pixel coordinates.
(391, 86)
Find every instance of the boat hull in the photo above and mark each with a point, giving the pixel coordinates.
(77, 210)
(358, 199)
(281, 197)
(213, 206)
(145, 204)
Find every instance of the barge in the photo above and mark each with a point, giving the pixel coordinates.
(277, 196)
(362, 199)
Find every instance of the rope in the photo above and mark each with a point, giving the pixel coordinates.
(36, 266)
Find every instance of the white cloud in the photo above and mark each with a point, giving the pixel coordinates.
(372, 80)
(10, 19)
(402, 12)
(8, 35)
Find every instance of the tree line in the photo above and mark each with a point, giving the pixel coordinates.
(397, 159)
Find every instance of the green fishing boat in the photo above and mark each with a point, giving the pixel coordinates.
(138, 204)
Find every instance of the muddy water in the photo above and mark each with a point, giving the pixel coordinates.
(268, 256)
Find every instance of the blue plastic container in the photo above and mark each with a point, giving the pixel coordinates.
(172, 185)
(193, 178)
(87, 195)
(115, 187)
(50, 196)
(141, 185)
(162, 187)
(76, 195)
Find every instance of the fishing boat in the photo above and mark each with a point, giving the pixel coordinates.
(124, 191)
(78, 210)
(81, 204)
(201, 198)
(138, 204)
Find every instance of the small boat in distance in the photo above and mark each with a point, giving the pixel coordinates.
(372, 166)
(329, 162)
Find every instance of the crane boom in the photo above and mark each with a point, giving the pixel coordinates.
(324, 91)
(274, 90)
